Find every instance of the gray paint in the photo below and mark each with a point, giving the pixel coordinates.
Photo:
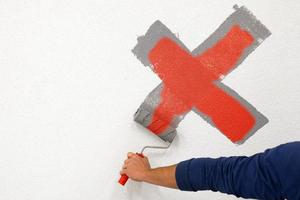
(144, 114)
(242, 17)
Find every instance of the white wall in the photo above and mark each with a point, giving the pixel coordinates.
(69, 86)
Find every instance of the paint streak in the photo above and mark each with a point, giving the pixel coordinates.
(189, 82)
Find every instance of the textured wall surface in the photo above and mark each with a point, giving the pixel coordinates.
(69, 86)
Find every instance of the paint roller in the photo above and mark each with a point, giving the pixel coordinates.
(144, 116)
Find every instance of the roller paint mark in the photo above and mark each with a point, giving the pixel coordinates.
(192, 81)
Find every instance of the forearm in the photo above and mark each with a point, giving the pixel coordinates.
(163, 176)
(248, 177)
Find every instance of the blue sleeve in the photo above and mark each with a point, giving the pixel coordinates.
(274, 174)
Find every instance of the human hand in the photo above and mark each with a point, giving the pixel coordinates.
(136, 167)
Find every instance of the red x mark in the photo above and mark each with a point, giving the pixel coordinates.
(189, 82)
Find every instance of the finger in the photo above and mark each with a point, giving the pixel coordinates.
(122, 172)
(126, 161)
(135, 156)
(130, 154)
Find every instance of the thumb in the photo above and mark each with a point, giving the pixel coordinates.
(130, 154)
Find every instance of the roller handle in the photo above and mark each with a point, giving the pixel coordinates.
(124, 178)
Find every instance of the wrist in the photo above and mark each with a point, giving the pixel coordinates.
(148, 174)
(163, 176)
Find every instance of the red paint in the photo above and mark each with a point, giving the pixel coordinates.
(188, 82)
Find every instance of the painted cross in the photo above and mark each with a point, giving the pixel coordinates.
(192, 80)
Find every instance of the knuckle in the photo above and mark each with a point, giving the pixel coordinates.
(129, 154)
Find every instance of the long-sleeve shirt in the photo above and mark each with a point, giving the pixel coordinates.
(273, 174)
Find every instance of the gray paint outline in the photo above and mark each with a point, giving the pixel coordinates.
(242, 17)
